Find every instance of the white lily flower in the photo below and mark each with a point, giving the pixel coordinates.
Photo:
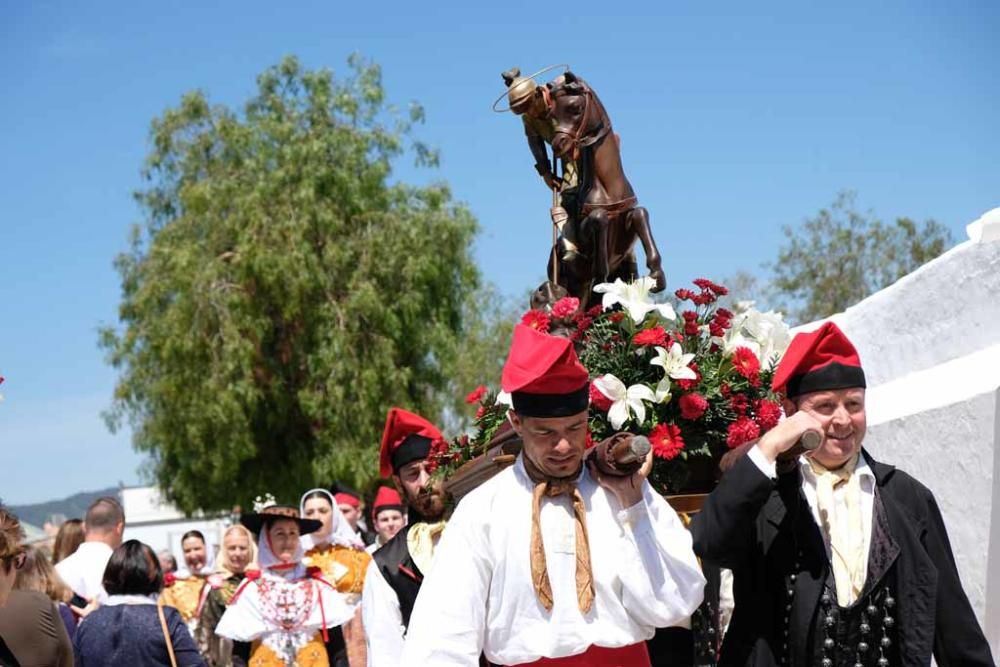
(634, 297)
(624, 401)
(662, 391)
(505, 398)
(674, 362)
(766, 334)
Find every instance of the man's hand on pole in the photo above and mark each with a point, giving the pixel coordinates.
(788, 434)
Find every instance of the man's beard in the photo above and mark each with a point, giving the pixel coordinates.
(428, 503)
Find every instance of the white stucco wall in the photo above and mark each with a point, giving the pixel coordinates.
(930, 346)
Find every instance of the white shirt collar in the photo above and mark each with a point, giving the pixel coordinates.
(97, 548)
(114, 600)
(519, 467)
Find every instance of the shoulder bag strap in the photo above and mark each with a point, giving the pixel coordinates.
(166, 635)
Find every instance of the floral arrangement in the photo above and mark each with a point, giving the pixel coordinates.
(696, 384)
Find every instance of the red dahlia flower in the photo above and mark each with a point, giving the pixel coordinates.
(654, 336)
(565, 307)
(537, 320)
(666, 441)
(741, 431)
(746, 363)
(692, 406)
(768, 413)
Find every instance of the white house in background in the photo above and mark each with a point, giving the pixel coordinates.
(930, 347)
(151, 519)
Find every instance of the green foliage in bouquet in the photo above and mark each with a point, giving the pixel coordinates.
(447, 457)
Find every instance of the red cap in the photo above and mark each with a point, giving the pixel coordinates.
(387, 499)
(544, 375)
(820, 360)
(347, 499)
(400, 425)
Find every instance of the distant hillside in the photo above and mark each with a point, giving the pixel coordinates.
(73, 507)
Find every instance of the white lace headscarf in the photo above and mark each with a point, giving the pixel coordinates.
(267, 559)
(341, 533)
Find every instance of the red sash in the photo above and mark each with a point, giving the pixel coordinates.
(635, 655)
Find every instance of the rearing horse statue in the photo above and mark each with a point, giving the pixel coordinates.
(609, 215)
(597, 243)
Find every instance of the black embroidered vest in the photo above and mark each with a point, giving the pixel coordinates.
(402, 574)
(863, 634)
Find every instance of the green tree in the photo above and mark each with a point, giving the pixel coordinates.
(841, 255)
(282, 292)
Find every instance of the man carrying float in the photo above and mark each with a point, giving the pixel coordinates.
(552, 561)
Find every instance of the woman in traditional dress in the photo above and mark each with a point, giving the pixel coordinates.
(338, 550)
(238, 555)
(285, 608)
(185, 590)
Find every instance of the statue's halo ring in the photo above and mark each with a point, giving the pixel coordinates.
(503, 95)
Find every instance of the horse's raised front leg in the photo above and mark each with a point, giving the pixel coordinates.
(639, 221)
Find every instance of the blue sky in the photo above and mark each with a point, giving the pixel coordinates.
(734, 121)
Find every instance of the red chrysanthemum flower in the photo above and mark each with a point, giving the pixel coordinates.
(583, 323)
(687, 385)
(537, 320)
(594, 311)
(768, 414)
(746, 363)
(666, 441)
(480, 411)
(740, 431)
(616, 317)
(689, 315)
(716, 329)
(599, 400)
(691, 328)
(722, 312)
(739, 403)
(707, 285)
(476, 395)
(725, 389)
(722, 321)
(653, 336)
(692, 406)
(565, 307)
(684, 294)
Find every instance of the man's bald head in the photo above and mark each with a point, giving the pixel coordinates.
(105, 521)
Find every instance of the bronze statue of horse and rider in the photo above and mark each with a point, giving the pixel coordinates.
(594, 206)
